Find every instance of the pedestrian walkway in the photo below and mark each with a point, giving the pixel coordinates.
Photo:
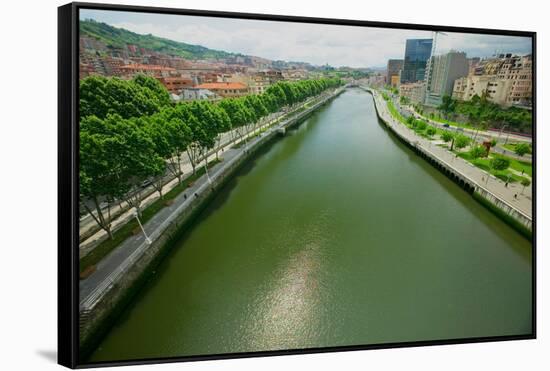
(121, 259)
(511, 193)
(125, 213)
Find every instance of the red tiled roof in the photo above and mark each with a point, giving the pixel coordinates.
(222, 85)
(146, 67)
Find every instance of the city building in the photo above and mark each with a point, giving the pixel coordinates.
(376, 80)
(198, 94)
(147, 69)
(176, 84)
(505, 80)
(395, 81)
(444, 70)
(393, 71)
(226, 89)
(414, 91)
(256, 83)
(417, 53)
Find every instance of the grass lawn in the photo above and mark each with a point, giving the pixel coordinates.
(518, 165)
(484, 163)
(511, 147)
(105, 247)
(396, 113)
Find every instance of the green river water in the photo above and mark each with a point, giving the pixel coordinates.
(335, 235)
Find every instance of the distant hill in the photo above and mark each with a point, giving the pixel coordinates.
(117, 38)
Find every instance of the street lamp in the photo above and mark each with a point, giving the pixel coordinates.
(142, 229)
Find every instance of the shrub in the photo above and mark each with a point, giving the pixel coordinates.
(521, 149)
(478, 151)
(447, 136)
(420, 125)
(500, 163)
(461, 141)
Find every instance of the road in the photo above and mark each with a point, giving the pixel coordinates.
(487, 135)
(513, 193)
(120, 259)
(89, 225)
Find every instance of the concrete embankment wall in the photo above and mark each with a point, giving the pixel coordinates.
(97, 321)
(515, 218)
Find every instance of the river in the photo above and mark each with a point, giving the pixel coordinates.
(335, 235)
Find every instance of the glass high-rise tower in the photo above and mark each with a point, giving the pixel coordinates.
(417, 53)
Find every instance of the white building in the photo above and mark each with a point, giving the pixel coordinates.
(506, 80)
(198, 94)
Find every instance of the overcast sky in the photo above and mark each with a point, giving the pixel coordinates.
(313, 43)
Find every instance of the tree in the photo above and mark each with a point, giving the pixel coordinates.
(140, 159)
(499, 163)
(420, 125)
(141, 96)
(431, 130)
(461, 141)
(447, 106)
(521, 149)
(213, 121)
(525, 183)
(157, 131)
(116, 156)
(447, 136)
(478, 151)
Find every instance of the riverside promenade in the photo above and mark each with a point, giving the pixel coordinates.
(104, 289)
(123, 213)
(511, 198)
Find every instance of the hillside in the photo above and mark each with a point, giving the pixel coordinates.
(118, 37)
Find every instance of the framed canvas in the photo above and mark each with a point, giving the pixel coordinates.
(238, 185)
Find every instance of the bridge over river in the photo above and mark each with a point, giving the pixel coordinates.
(336, 234)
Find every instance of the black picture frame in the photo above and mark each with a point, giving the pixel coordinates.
(68, 162)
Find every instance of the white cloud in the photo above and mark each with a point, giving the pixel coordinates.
(314, 43)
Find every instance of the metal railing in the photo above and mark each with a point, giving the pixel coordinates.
(87, 303)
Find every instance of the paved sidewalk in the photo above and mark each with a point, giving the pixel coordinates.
(229, 139)
(120, 259)
(522, 203)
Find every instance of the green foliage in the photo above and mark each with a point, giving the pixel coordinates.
(447, 106)
(478, 151)
(479, 109)
(522, 148)
(141, 96)
(420, 125)
(431, 130)
(525, 182)
(447, 136)
(461, 141)
(130, 132)
(500, 163)
(493, 142)
(118, 38)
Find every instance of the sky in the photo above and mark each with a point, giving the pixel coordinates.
(317, 44)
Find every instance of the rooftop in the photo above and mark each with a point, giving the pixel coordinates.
(222, 85)
(151, 67)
